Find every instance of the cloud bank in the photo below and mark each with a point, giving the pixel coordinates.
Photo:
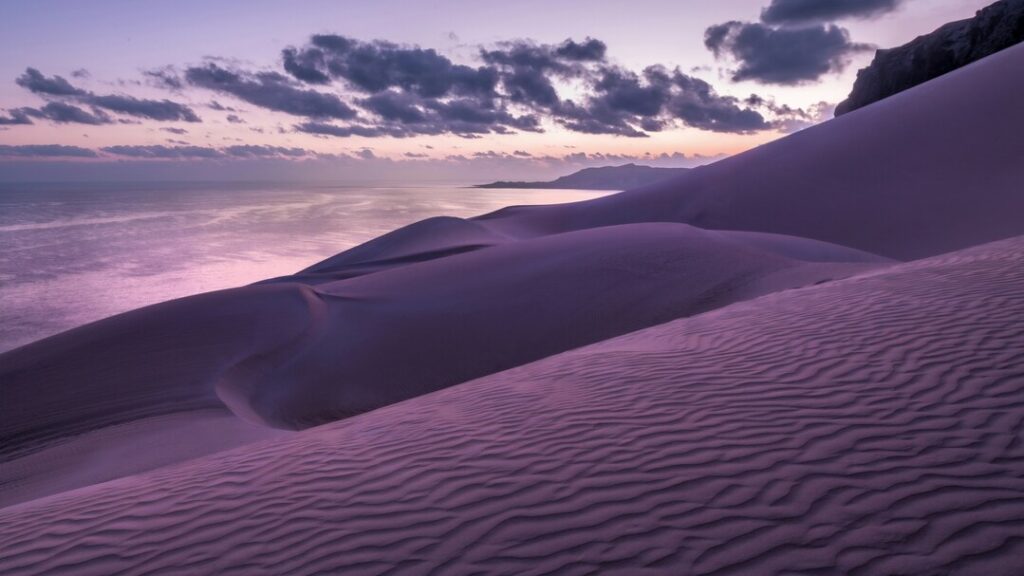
(58, 87)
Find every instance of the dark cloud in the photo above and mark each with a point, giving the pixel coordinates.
(395, 107)
(173, 130)
(62, 113)
(404, 91)
(471, 116)
(15, 117)
(589, 50)
(622, 90)
(34, 81)
(160, 151)
(45, 151)
(404, 114)
(530, 86)
(80, 73)
(782, 55)
(57, 86)
(378, 66)
(160, 110)
(305, 65)
(166, 77)
(214, 105)
(269, 90)
(597, 118)
(808, 11)
(527, 68)
(627, 104)
(563, 59)
(697, 104)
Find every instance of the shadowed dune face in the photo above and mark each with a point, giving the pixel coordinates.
(286, 355)
(866, 426)
(385, 337)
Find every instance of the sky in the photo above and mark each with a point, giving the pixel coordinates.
(439, 90)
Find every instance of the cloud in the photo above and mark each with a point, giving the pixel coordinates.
(785, 56)
(183, 151)
(589, 50)
(160, 151)
(377, 66)
(62, 113)
(160, 110)
(343, 87)
(697, 104)
(174, 130)
(214, 105)
(56, 86)
(166, 77)
(45, 151)
(34, 81)
(563, 59)
(628, 104)
(395, 106)
(810, 11)
(325, 129)
(269, 90)
(15, 117)
(254, 151)
(527, 68)
(403, 114)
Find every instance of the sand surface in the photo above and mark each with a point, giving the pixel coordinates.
(867, 426)
(288, 355)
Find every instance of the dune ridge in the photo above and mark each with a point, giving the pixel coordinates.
(865, 426)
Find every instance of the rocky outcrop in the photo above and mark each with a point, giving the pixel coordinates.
(956, 44)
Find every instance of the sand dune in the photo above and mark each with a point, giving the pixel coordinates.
(930, 170)
(289, 355)
(792, 402)
(865, 426)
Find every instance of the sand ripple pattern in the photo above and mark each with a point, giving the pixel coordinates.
(866, 426)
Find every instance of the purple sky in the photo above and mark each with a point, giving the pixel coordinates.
(436, 90)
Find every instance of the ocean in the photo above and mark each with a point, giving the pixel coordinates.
(74, 253)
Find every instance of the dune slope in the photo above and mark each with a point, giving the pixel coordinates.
(867, 426)
(289, 355)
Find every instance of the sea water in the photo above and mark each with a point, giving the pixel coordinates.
(75, 253)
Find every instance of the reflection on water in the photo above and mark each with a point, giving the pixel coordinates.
(71, 254)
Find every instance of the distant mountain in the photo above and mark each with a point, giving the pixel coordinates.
(604, 178)
(952, 46)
